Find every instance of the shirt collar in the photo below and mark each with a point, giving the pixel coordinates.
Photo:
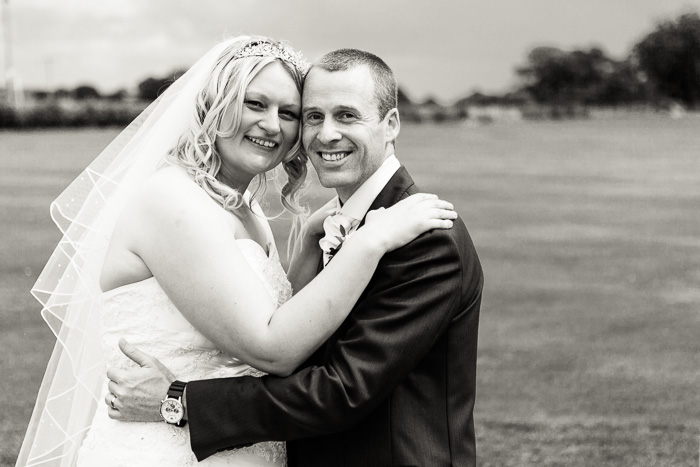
(358, 204)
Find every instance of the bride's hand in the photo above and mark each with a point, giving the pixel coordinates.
(402, 223)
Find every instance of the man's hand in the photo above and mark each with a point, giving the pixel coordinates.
(135, 394)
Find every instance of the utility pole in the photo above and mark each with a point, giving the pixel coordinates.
(9, 66)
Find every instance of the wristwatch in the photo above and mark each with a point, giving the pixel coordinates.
(171, 409)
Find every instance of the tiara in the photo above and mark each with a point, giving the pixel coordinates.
(269, 49)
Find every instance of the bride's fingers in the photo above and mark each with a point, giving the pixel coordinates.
(416, 199)
(436, 203)
(440, 224)
(444, 214)
(426, 201)
(442, 204)
(423, 196)
(437, 208)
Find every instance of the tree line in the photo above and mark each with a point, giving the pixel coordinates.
(663, 66)
(662, 69)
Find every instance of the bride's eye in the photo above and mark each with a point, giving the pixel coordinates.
(255, 105)
(289, 115)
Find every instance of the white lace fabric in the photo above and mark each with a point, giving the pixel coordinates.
(144, 315)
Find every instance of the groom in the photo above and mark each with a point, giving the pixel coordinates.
(395, 385)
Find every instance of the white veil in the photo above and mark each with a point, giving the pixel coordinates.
(68, 287)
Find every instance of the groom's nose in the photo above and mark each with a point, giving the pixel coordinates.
(328, 132)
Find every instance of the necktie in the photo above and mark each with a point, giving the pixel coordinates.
(337, 228)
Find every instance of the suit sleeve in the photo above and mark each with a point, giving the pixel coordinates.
(410, 301)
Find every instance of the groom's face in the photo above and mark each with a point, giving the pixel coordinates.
(342, 132)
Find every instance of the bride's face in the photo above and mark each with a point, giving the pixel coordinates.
(269, 126)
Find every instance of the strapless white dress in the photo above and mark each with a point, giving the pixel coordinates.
(143, 314)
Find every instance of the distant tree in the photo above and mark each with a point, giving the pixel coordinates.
(62, 93)
(150, 88)
(554, 76)
(85, 92)
(478, 99)
(670, 58)
(623, 85)
(117, 95)
(517, 98)
(40, 95)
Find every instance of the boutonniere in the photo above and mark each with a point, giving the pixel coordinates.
(338, 229)
(337, 240)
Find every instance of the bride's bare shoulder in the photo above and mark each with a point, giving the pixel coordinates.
(171, 192)
(169, 184)
(170, 178)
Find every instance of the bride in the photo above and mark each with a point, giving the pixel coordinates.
(165, 245)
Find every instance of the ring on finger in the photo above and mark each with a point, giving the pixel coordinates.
(111, 402)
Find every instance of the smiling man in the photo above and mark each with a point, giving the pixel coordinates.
(346, 125)
(395, 385)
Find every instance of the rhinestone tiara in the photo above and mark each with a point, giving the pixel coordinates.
(270, 49)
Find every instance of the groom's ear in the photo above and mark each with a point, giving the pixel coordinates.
(393, 124)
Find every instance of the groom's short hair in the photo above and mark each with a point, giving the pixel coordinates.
(385, 84)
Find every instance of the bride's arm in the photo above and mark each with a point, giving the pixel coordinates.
(188, 245)
(306, 254)
(305, 259)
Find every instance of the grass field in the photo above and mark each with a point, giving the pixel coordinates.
(589, 235)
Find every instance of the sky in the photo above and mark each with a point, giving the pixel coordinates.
(445, 49)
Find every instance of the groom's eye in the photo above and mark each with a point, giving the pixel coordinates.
(312, 118)
(346, 116)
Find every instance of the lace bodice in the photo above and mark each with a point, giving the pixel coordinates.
(144, 315)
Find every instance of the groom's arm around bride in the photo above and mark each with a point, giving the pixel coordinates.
(393, 386)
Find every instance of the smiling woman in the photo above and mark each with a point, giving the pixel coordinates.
(267, 130)
(171, 151)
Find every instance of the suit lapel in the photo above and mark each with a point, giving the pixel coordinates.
(393, 191)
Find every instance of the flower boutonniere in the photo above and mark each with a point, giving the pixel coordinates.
(338, 241)
(338, 229)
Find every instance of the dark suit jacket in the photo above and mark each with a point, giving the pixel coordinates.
(393, 386)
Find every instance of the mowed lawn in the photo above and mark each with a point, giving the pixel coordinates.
(589, 236)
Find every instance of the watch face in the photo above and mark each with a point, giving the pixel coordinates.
(171, 410)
